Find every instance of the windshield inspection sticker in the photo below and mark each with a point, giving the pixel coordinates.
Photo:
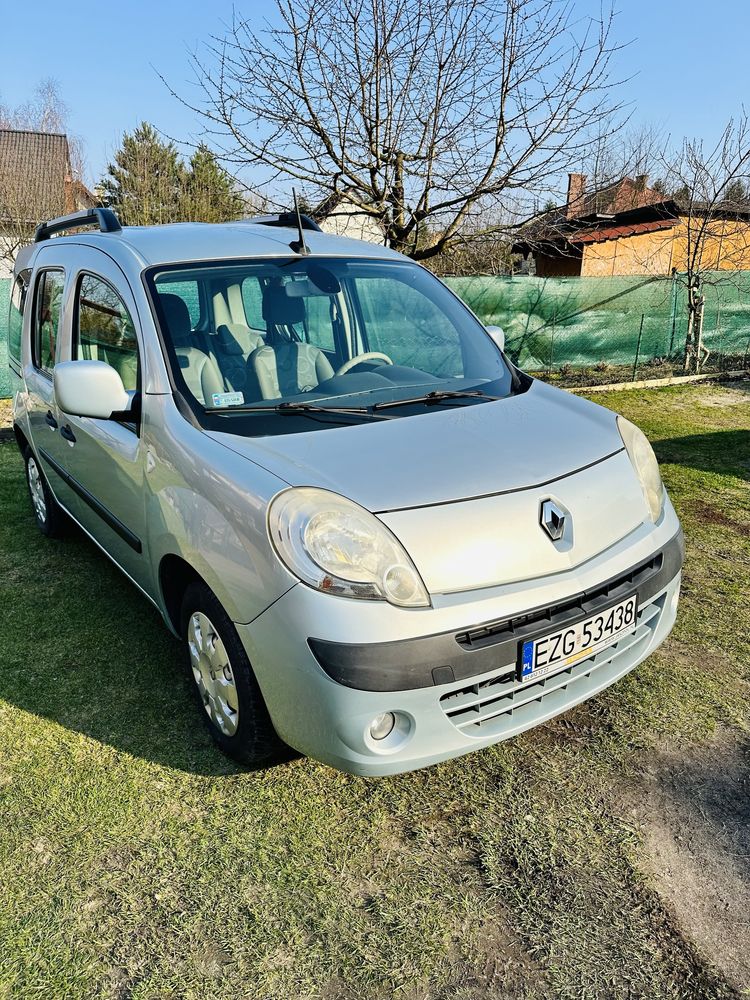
(227, 398)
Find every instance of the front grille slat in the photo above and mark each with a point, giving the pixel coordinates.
(502, 702)
(561, 614)
(537, 691)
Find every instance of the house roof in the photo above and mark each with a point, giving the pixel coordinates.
(596, 227)
(626, 208)
(34, 168)
(601, 234)
(624, 195)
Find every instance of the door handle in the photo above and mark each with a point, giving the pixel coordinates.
(67, 433)
(51, 422)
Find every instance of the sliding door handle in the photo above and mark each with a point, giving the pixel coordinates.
(51, 422)
(67, 433)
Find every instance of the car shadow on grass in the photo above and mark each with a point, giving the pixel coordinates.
(81, 646)
(720, 451)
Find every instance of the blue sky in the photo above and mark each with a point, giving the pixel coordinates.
(689, 62)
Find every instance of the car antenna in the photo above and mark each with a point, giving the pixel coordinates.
(299, 246)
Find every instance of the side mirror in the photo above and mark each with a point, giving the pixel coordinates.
(498, 335)
(89, 389)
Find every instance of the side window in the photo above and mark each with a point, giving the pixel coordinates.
(390, 310)
(190, 295)
(319, 325)
(104, 330)
(252, 300)
(49, 289)
(15, 315)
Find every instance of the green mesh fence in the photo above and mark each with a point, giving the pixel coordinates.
(550, 322)
(581, 322)
(554, 321)
(4, 371)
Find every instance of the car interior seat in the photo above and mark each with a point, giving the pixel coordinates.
(198, 366)
(286, 365)
(235, 342)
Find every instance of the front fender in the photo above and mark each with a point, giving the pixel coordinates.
(207, 506)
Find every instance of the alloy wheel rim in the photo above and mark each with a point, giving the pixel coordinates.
(36, 489)
(213, 674)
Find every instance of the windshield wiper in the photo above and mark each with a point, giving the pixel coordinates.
(357, 411)
(436, 396)
(292, 408)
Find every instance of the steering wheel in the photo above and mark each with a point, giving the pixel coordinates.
(359, 358)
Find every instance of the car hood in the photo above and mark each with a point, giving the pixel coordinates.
(453, 453)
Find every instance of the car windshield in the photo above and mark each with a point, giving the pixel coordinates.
(360, 338)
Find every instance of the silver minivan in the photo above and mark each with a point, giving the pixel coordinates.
(382, 543)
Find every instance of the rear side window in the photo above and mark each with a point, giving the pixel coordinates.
(49, 291)
(320, 321)
(252, 300)
(15, 315)
(104, 330)
(189, 292)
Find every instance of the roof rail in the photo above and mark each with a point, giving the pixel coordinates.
(286, 220)
(104, 218)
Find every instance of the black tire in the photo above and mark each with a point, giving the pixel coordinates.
(51, 520)
(255, 742)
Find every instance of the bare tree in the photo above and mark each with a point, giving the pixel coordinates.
(17, 222)
(428, 115)
(710, 185)
(622, 151)
(44, 112)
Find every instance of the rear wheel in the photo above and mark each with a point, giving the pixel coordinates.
(50, 517)
(228, 693)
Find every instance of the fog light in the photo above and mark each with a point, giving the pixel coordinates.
(382, 725)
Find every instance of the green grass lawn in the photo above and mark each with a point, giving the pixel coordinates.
(136, 862)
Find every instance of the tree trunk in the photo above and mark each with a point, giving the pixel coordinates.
(698, 334)
(694, 338)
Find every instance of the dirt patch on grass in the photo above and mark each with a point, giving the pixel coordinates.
(6, 418)
(710, 515)
(694, 812)
(736, 395)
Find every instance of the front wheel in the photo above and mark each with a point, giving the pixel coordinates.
(227, 690)
(50, 517)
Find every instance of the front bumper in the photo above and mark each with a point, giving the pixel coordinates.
(449, 675)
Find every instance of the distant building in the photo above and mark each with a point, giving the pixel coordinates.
(628, 228)
(36, 183)
(340, 217)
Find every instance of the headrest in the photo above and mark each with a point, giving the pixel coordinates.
(178, 319)
(236, 338)
(281, 310)
(227, 340)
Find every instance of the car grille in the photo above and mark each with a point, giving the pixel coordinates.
(501, 705)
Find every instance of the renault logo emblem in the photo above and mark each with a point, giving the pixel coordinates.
(552, 519)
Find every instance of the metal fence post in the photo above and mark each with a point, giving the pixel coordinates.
(638, 347)
(552, 345)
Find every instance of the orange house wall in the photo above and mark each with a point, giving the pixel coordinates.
(725, 246)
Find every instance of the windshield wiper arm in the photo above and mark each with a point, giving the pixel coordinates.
(357, 411)
(289, 409)
(436, 396)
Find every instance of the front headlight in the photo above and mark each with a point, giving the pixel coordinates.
(646, 467)
(336, 546)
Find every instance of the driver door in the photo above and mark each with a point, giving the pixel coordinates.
(106, 457)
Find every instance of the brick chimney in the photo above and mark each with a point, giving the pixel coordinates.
(576, 195)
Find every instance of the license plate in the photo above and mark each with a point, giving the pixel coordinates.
(540, 657)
